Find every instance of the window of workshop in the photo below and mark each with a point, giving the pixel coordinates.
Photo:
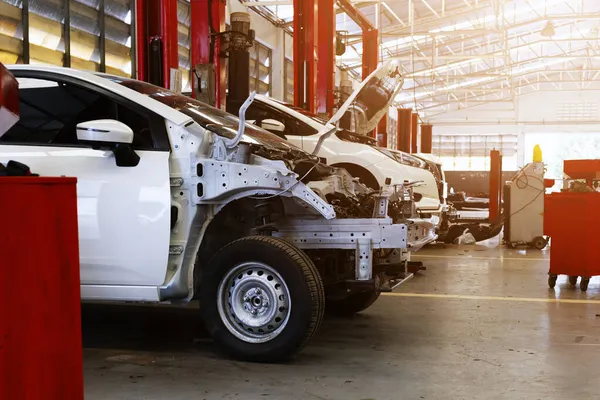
(184, 44)
(90, 35)
(288, 78)
(472, 152)
(260, 69)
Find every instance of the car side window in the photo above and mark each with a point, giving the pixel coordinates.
(50, 112)
(293, 127)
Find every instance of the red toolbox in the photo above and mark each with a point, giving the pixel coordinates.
(572, 220)
(40, 321)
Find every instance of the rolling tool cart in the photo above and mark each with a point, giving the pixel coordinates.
(40, 321)
(572, 219)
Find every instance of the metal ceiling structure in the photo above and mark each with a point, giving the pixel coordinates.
(457, 54)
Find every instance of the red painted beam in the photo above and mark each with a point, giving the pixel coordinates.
(305, 67)
(382, 136)
(414, 133)
(404, 129)
(168, 28)
(141, 37)
(355, 14)
(426, 138)
(200, 36)
(326, 54)
(370, 55)
(495, 184)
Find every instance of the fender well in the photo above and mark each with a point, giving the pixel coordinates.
(237, 219)
(362, 173)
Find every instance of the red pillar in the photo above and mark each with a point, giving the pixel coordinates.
(414, 133)
(141, 37)
(168, 28)
(495, 184)
(382, 137)
(426, 138)
(305, 59)
(404, 129)
(326, 54)
(370, 51)
(200, 35)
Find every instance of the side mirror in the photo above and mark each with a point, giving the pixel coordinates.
(113, 135)
(272, 125)
(105, 131)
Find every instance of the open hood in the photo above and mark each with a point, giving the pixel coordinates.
(370, 101)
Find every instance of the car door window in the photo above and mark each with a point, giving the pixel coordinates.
(51, 110)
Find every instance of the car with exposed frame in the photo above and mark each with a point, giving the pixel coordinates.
(178, 200)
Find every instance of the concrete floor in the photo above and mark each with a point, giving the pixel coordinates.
(480, 323)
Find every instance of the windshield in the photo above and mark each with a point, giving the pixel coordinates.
(211, 118)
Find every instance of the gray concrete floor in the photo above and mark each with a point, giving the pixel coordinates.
(480, 323)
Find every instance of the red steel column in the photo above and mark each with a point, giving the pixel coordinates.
(414, 133)
(168, 27)
(382, 136)
(141, 38)
(404, 129)
(370, 51)
(200, 36)
(495, 184)
(305, 60)
(426, 138)
(326, 54)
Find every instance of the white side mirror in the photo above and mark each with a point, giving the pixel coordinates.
(272, 125)
(105, 130)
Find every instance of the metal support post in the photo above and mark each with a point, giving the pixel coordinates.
(382, 136)
(414, 133)
(426, 138)
(495, 184)
(403, 141)
(208, 64)
(326, 54)
(305, 63)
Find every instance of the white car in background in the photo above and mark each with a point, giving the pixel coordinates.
(179, 200)
(350, 147)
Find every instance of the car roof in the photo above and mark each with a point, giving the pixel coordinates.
(159, 108)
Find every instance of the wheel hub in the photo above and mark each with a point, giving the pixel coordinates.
(254, 302)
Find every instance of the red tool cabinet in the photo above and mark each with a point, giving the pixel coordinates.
(40, 321)
(572, 221)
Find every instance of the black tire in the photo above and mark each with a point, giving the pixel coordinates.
(573, 280)
(352, 304)
(539, 243)
(552, 281)
(583, 285)
(300, 279)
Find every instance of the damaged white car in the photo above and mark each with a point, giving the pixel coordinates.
(178, 200)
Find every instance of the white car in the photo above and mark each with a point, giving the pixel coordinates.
(351, 148)
(178, 200)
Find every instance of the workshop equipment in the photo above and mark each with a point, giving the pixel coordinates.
(40, 328)
(571, 219)
(524, 207)
(40, 320)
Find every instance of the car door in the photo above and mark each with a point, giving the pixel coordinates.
(123, 212)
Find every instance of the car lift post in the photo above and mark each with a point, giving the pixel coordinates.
(208, 63)
(156, 46)
(370, 55)
(495, 185)
(404, 131)
(426, 138)
(305, 50)
(326, 54)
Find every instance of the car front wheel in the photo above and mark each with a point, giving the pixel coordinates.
(261, 298)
